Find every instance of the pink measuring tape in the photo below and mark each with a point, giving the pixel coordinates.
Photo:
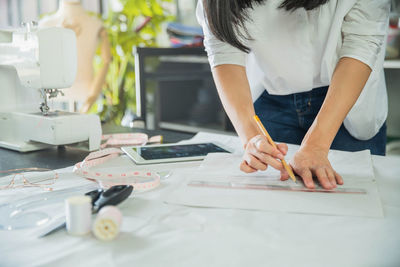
(140, 180)
(128, 139)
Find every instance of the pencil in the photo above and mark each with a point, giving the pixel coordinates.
(264, 131)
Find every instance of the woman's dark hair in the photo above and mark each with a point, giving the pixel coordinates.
(227, 18)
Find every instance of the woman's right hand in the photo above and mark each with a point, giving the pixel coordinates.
(259, 154)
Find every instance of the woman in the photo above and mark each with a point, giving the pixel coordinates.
(322, 70)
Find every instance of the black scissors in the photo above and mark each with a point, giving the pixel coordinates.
(100, 198)
(112, 196)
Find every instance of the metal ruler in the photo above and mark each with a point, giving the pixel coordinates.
(274, 187)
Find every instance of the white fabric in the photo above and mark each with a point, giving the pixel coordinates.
(298, 51)
(156, 234)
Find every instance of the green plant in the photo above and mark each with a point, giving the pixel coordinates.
(136, 23)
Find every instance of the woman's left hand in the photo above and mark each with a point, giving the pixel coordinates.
(312, 161)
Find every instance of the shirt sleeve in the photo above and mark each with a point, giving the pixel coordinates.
(364, 30)
(218, 52)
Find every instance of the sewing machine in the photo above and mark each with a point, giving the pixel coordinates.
(34, 65)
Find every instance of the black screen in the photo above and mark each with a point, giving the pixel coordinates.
(177, 151)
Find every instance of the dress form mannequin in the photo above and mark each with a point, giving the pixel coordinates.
(90, 33)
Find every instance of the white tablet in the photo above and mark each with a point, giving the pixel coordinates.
(171, 152)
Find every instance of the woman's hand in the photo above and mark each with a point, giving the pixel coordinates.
(348, 81)
(259, 154)
(312, 161)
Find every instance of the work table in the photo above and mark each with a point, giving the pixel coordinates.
(61, 156)
(155, 233)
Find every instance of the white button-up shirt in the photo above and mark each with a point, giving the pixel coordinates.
(297, 51)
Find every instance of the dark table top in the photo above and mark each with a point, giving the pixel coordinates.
(61, 156)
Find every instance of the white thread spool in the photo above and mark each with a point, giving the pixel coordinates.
(78, 213)
(107, 224)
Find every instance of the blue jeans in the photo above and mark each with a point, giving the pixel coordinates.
(288, 117)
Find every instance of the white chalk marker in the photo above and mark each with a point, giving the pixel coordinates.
(107, 224)
(78, 213)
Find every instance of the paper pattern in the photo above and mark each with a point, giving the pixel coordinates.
(355, 168)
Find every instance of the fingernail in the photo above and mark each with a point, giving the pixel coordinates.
(280, 156)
